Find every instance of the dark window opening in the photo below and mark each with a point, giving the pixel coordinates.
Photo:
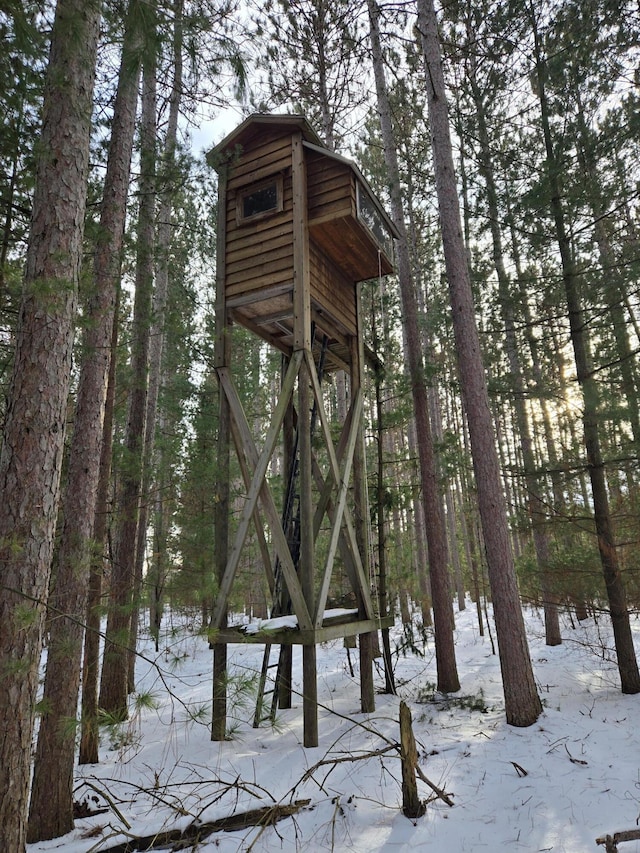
(260, 200)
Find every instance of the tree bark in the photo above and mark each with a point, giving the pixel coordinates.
(156, 344)
(51, 809)
(89, 725)
(522, 703)
(114, 686)
(447, 674)
(534, 493)
(32, 447)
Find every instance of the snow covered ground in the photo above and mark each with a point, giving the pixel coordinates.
(555, 786)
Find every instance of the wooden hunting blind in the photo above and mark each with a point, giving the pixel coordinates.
(298, 229)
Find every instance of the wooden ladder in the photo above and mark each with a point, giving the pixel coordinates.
(281, 600)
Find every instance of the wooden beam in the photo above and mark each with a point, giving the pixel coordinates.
(334, 473)
(345, 551)
(299, 637)
(330, 482)
(246, 448)
(367, 642)
(276, 341)
(301, 274)
(310, 735)
(259, 487)
(307, 549)
(221, 513)
(276, 318)
(221, 354)
(261, 295)
(338, 512)
(257, 520)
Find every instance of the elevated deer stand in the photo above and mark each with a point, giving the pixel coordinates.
(298, 228)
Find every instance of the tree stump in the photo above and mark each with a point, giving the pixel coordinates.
(412, 805)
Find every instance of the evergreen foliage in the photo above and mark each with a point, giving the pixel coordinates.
(514, 162)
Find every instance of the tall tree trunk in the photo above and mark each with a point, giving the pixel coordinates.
(89, 719)
(381, 523)
(447, 674)
(32, 446)
(156, 343)
(536, 509)
(159, 248)
(522, 703)
(115, 668)
(51, 809)
(436, 418)
(426, 345)
(627, 662)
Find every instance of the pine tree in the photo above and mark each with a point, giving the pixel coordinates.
(522, 703)
(31, 458)
(321, 75)
(51, 807)
(168, 178)
(115, 684)
(433, 508)
(482, 94)
(627, 662)
(22, 67)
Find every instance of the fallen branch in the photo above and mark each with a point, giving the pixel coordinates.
(438, 791)
(102, 793)
(196, 832)
(575, 760)
(347, 759)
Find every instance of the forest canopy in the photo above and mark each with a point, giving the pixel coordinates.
(500, 457)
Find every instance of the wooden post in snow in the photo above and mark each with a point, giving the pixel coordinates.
(412, 805)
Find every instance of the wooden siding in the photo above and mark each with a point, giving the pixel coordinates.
(333, 219)
(332, 290)
(270, 155)
(259, 253)
(330, 188)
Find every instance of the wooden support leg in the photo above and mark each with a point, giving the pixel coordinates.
(219, 715)
(284, 688)
(221, 526)
(307, 578)
(310, 697)
(367, 695)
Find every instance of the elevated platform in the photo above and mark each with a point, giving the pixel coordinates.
(298, 229)
(284, 630)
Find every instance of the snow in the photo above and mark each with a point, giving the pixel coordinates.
(280, 622)
(555, 786)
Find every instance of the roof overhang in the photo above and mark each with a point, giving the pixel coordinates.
(256, 123)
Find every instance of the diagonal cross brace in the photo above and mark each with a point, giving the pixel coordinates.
(259, 489)
(339, 508)
(342, 524)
